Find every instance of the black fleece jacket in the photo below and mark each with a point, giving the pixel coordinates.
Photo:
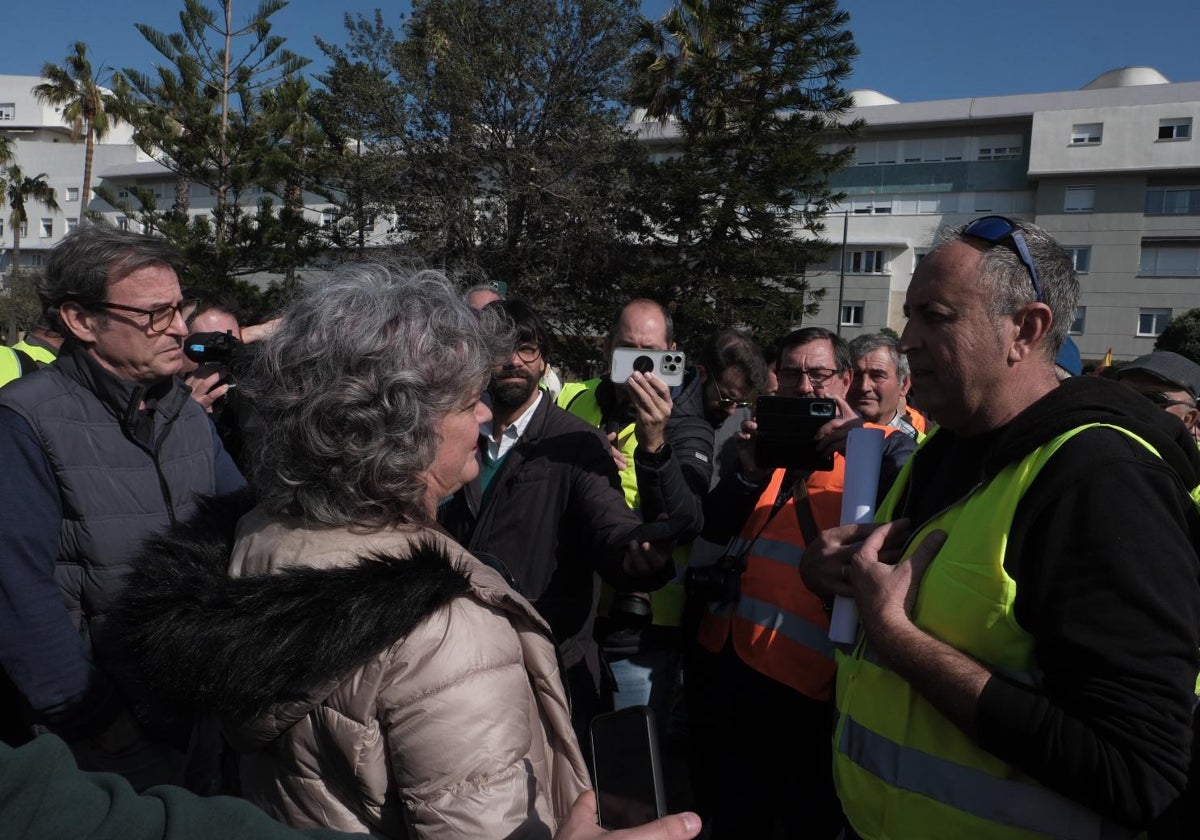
(1104, 552)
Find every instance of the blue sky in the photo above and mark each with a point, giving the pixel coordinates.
(911, 49)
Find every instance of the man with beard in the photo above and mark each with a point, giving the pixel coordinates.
(548, 506)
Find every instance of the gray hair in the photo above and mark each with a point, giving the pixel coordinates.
(352, 387)
(86, 262)
(1008, 279)
(864, 344)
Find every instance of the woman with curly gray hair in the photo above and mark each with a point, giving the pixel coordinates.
(375, 675)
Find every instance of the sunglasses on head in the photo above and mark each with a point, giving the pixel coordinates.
(1001, 230)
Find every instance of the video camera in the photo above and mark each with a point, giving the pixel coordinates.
(211, 347)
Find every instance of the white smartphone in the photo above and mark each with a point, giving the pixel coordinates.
(627, 768)
(667, 365)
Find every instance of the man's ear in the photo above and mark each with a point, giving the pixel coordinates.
(702, 371)
(905, 385)
(1032, 322)
(82, 323)
(1191, 419)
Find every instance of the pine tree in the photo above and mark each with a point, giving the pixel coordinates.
(749, 86)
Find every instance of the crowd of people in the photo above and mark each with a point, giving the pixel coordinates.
(377, 568)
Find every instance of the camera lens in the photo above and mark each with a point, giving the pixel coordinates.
(822, 410)
(643, 364)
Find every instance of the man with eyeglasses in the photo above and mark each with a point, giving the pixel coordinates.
(1168, 380)
(101, 449)
(734, 373)
(1030, 601)
(548, 505)
(759, 685)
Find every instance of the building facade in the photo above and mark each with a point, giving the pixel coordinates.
(1111, 170)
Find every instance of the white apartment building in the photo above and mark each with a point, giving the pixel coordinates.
(1111, 170)
(43, 144)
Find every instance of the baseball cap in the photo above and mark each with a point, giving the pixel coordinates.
(1171, 368)
(1068, 358)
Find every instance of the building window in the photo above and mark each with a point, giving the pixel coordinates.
(869, 206)
(852, 314)
(1078, 321)
(1079, 200)
(122, 223)
(1151, 322)
(327, 218)
(1081, 259)
(1177, 129)
(123, 192)
(1173, 201)
(72, 193)
(25, 230)
(72, 225)
(47, 228)
(999, 153)
(8, 110)
(1087, 134)
(865, 262)
(1170, 261)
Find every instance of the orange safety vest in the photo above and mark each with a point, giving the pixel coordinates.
(779, 627)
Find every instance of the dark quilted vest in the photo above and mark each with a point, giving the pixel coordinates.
(115, 491)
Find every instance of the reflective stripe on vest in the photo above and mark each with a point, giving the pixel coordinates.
(779, 628)
(901, 768)
(579, 398)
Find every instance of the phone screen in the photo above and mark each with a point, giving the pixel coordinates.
(787, 428)
(628, 775)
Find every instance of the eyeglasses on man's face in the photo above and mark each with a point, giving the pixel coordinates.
(1164, 401)
(998, 230)
(725, 403)
(790, 377)
(528, 352)
(159, 319)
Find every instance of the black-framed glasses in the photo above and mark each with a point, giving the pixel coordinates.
(160, 318)
(996, 230)
(1163, 401)
(528, 352)
(817, 376)
(725, 403)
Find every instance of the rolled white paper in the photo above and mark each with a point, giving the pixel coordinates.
(864, 455)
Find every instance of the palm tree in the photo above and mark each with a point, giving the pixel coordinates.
(6, 151)
(16, 190)
(75, 88)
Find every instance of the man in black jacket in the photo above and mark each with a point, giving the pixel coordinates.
(547, 504)
(663, 445)
(1040, 670)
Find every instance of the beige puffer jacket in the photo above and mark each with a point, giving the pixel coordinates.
(461, 728)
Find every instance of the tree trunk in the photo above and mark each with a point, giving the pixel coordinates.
(89, 152)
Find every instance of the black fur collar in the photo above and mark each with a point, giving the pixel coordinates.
(237, 646)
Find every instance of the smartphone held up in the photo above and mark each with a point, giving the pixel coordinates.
(667, 365)
(627, 768)
(787, 431)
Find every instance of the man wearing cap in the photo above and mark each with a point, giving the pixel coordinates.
(1030, 601)
(1170, 381)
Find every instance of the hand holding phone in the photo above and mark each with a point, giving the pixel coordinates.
(627, 768)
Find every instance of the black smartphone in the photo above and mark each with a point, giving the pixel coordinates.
(787, 428)
(627, 768)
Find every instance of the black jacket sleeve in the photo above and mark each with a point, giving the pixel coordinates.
(1108, 584)
(676, 480)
